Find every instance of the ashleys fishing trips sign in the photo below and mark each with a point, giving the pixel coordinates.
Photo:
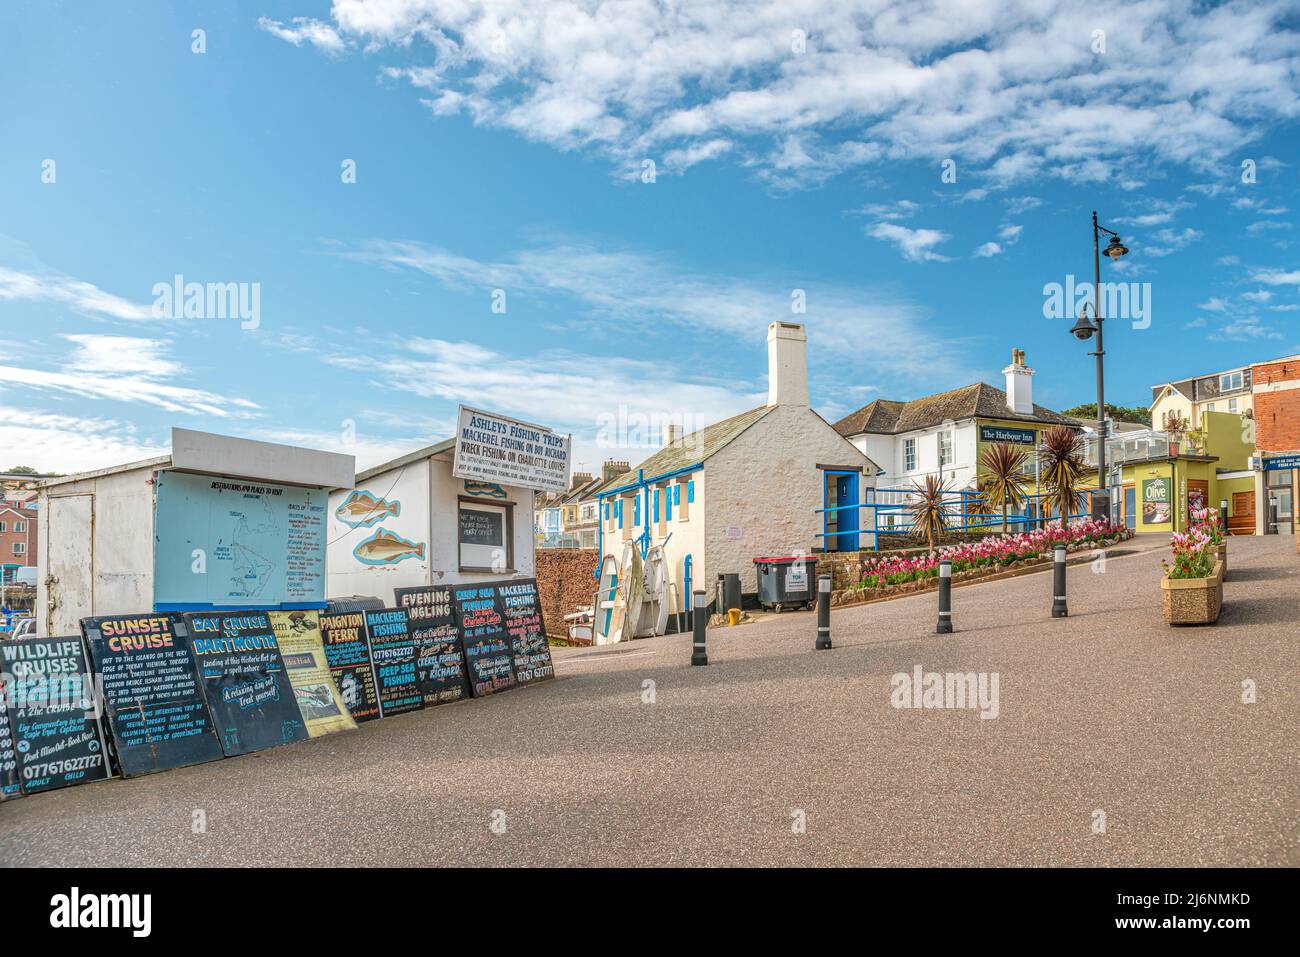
(493, 448)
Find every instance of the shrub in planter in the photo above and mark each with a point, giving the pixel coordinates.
(1192, 588)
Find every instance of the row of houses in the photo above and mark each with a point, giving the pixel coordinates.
(225, 522)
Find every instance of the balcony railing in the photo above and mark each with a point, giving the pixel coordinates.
(1142, 446)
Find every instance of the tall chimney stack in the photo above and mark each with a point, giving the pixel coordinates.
(1020, 384)
(787, 364)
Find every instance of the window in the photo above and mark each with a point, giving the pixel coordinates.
(668, 504)
(1209, 407)
(1230, 382)
(690, 491)
(19, 548)
(909, 455)
(3, 527)
(22, 526)
(945, 449)
(1232, 405)
(485, 536)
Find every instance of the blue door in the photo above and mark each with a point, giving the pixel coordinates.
(846, 493)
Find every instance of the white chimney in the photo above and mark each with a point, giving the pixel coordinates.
(672, 432)
(787, 364)
(1020, 384)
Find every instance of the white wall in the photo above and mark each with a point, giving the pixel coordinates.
(428, 494)
(119, 541)
(767, 483)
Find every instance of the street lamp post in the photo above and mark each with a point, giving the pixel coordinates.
(1083, 331)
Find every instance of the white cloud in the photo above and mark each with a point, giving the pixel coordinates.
(1259, 295)
(79, 295)
(1276, 277)
(1014, 88)
(51, 442)
(916, 245)
(305, 30)
(1170, 241)
(123, 369)
(1010, 233)
(987, 250)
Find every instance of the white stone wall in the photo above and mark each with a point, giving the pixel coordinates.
(767, 484)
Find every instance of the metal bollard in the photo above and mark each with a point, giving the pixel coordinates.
(823, 612)
(945, 598)
(1059, 610)
(700, 620)
(1223, 514)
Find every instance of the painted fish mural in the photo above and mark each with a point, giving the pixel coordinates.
(387, 548)
(361, 509)
(484, 489)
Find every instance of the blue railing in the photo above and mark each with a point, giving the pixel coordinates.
(891, 515)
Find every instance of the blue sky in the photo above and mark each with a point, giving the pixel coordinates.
(503, 146)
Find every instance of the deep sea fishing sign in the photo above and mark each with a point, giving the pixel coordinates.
(440, 659)
(52, 713)
(249, 695)
(154, 708)
(482, 623)
(392, 652)
(493, 448)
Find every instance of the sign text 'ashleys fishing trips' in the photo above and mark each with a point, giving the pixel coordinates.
(493, 448)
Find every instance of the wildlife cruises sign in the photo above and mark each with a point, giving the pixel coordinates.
(493, 448)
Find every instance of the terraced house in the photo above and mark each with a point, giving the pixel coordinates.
(945, 434)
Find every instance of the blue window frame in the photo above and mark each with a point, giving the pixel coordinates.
(690, 491)
(677, 494)
(618, 511)
(668, 504)
(636, 511)
(655, 499)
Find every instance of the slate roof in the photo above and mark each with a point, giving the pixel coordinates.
(446, 445)
(694, 448)
(981, 400)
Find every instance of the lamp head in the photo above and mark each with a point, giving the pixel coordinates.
(1084, 328)
(1114, 249)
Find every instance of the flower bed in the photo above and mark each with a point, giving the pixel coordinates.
(901, 573)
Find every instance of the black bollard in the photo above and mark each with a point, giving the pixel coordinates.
(945, 599)
(823, 612)
(700, 620)
(1059, 609)
(1223, 514)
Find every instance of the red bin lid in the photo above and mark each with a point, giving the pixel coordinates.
(788, 558)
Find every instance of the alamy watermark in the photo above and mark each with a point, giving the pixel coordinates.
(1119, 300)
(954, 690)
(179, 299)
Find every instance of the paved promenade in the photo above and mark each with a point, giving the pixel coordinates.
(1107, 711)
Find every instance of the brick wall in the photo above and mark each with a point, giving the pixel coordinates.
(9, 536)
(565, 581)
(1277, 413)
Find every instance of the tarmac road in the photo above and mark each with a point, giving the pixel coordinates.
(1109, 710)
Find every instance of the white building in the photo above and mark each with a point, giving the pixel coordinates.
(945, 434)
(220, 523)
(747, 487)
(411, 522)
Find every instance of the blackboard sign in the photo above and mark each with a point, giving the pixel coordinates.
(392, 652)
(154, 709)
(528, 644)
(249, 695)
(52, 713)
(298, 635)
(481, 620)
(482, 528)
(440, 660)
(348, 654)
(9, 786)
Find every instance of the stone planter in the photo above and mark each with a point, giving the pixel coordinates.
(1222, 551)
(1193, 601)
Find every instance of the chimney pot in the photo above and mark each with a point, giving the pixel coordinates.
(1020, 384)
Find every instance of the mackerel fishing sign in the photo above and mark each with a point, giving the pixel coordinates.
(491, 448)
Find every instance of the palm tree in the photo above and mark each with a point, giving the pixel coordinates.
(1062, 466)
(979, 504)
(929, 514)
(1004, 482)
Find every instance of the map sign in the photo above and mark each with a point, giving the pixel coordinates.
(344, 637)
(393, 655)
(52, 713)
(226, 541)
(523, 612)
(249, 695)
(488, 657)
(156, 713)
(298, 634)
(440, 660)
(493, 448)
